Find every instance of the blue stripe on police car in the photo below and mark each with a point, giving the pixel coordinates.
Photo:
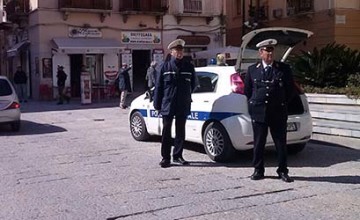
(195, 115)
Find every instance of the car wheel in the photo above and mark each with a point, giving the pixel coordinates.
(295, 148)
(15, 126)
(138, 127)
(217, 143)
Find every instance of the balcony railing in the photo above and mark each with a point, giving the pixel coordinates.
(298, 7)
(192, 6)
(143, 6)
(17, 8)
(105, 5)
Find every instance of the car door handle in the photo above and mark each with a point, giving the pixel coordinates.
(206, 100)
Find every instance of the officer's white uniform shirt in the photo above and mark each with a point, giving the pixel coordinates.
(265, 65)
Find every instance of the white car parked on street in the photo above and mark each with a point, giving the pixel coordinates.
(9, 105)
(219, 113)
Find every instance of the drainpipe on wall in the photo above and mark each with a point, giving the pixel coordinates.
(1, 11)
(222, 26)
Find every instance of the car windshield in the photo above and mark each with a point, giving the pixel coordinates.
(5, 88)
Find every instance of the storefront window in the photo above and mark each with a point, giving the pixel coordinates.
(94, 66)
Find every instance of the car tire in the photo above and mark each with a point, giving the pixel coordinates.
(15, 126)
(217, 143)
(138, 127)
(295, 148)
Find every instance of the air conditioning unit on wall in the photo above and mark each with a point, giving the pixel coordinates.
(290, 11)
(277, 13)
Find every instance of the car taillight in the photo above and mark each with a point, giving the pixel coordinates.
(14, 105)
(237, 84)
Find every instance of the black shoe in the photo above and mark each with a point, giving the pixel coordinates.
(67, 99)
(164, 163)
(59, 103)
(257, 175)
(285, 177)
(180, 161)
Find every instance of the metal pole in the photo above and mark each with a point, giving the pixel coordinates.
(243, 18)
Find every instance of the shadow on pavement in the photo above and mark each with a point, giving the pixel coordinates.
(315, 154)
(30, 128)
(331, 179)
(323, 154)
(45, 106)
(75, 104)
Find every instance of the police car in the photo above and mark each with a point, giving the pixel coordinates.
(9, 105)
(219, 116)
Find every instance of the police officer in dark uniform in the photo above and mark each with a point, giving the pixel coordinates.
(172, 98)
(269, 87)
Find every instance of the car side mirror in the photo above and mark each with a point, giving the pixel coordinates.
(149, 95)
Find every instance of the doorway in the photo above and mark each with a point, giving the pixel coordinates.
(76, 61)
(141, 61)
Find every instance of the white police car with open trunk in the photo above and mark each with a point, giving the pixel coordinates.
(9, 105)
(219, 113)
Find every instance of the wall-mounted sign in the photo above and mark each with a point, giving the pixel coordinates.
(85, 84)
(158, 55)
(47, 67)
(126, 51)
(84, 32)
(139, 37)
(340, 19)
(195, 40)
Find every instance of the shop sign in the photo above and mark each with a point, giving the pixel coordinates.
(139, 37)
(85, 84)
(76, 32)
(195, 40)
(158, 55)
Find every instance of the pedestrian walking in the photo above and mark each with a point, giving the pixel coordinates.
(61, 79)
(269, 86)
(20, 81)
(124, 84)
(172, 98)
(151, 75)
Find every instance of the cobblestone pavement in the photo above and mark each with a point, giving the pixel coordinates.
(80, 162)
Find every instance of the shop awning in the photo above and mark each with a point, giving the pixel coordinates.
(14, 50)
(85, 46)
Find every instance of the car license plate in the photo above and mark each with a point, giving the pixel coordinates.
(291, 126)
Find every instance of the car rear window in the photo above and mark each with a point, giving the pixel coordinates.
(5, 88)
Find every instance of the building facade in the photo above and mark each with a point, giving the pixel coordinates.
(330, 20)
(99, 35)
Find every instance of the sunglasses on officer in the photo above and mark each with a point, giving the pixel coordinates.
(268, 49)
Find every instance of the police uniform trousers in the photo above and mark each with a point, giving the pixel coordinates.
(278, 133)
(167, 141)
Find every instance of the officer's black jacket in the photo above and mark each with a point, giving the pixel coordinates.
(173, 88)
(269, 98)
(124, 79)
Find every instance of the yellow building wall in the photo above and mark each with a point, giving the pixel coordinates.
(331, 21)
(347, 27)
(353, 4)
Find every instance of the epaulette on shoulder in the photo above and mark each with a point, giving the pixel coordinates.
(258, 65)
